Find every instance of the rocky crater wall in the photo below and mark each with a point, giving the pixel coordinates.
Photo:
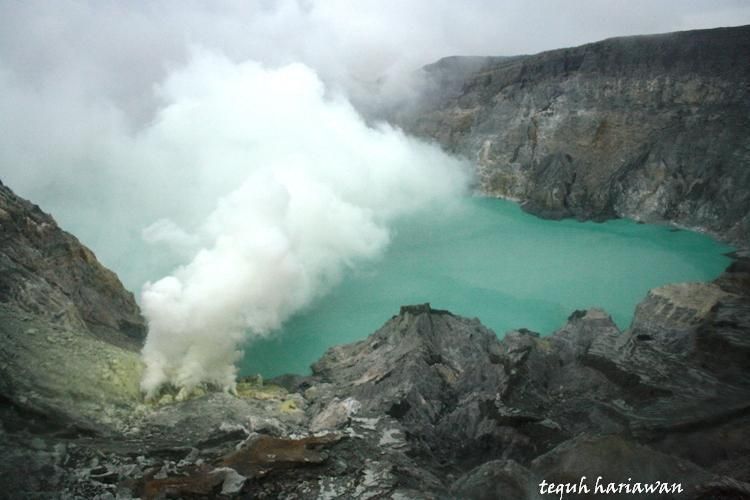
(47, 272)
(653, 128)
(69, 332)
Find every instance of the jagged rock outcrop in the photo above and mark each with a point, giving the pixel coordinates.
(434, 405)
(589, 400)
(431, 405)
(653, 128)
(46, 272)
(69, 331)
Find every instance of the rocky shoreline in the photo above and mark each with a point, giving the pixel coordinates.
(432, 405)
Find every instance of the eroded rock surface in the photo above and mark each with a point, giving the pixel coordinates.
(652, 128)
(48, 273)
(69, 331)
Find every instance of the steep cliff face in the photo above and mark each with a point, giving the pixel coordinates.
(654, 128)
(69, 331)
(46, 271)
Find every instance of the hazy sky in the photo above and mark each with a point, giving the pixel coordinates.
(118, 50)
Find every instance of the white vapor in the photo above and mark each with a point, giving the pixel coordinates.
(315, 190)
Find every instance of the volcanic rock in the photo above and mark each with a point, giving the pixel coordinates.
(653, 128)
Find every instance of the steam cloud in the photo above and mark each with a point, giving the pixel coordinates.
(317, 190)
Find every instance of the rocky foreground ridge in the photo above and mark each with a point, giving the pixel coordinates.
(432, 405)
(653, 128)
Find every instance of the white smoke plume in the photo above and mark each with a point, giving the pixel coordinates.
(315, 191)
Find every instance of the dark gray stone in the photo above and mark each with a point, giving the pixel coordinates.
(653, 128)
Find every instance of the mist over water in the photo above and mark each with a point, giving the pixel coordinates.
(490, 260)
(313, 195)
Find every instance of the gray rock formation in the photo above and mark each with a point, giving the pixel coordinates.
(46, 272)
(69, 331)
(653, 128)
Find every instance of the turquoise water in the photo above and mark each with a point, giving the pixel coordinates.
(488, 259)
